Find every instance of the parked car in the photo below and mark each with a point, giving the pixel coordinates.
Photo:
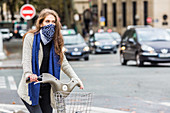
(102, 42)
(75, 47)
(5, 34)
(145, 45)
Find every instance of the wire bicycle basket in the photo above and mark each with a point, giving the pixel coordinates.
(75, 102)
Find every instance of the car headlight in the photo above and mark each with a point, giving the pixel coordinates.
(86, 48)
(147, 48)
(22, 34)
(114, 42)
(97, 43)
(11, 34)
(123, 48)
(64, 49)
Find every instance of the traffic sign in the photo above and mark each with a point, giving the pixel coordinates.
(149, 20)
(27, 11)
(102, 23)
(102, 19)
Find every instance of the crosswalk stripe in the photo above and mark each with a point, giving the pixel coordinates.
(12, 83)
(2, 83)
(165, 103)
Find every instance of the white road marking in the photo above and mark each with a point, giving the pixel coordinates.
(161, 103)
(165, 103)
(149, 102)
(2, 82)
(12, 83)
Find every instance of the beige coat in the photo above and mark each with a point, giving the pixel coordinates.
(27, 69)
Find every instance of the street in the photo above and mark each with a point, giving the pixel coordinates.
(127, 88)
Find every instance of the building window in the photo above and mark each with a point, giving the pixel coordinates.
(134, 12)
(105, 13)
(124, 13)
(95, 14)
(145, 12)
(114, 15)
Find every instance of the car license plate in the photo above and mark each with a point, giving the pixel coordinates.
(76, 53)
(164, 55)
(107, 47)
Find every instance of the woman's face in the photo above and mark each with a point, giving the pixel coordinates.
(50, 19)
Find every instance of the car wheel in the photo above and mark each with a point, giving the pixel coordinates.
(86, 58)
(138, 61)
(114, 52)
(122, 59)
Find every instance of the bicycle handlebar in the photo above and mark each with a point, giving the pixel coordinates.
(56, 84)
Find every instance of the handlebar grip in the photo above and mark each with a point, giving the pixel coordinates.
(39, 79)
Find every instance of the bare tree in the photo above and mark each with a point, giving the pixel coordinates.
(11, 8)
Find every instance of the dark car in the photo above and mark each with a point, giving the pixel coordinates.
(102, 43)
(75, 47)
(145, 45)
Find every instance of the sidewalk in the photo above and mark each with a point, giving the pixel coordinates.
(8, 108)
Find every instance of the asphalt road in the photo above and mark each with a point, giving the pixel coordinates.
(127, 88)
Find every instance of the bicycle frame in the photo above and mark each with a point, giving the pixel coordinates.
(57, 85)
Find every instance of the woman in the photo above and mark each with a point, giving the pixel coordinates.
(42, 53)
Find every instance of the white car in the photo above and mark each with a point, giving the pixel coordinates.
(5, 33)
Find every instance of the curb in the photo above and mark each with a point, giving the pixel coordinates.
(9, 108)
(105, 110)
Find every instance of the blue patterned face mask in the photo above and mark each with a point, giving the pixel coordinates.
(48, 31)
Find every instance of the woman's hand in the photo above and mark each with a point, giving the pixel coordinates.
(33, 78)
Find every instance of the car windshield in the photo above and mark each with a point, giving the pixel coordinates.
(168, 30)
(115, 35)
(102, 36)
(4, 32)
(153, 35)
(73, 39)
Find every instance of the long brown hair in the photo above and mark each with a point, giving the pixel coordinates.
(58, 38)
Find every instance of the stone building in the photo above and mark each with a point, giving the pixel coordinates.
(119, 14)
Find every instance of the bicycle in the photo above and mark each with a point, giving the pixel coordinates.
(66, 100)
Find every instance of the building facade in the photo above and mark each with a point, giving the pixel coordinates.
(118, 14)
